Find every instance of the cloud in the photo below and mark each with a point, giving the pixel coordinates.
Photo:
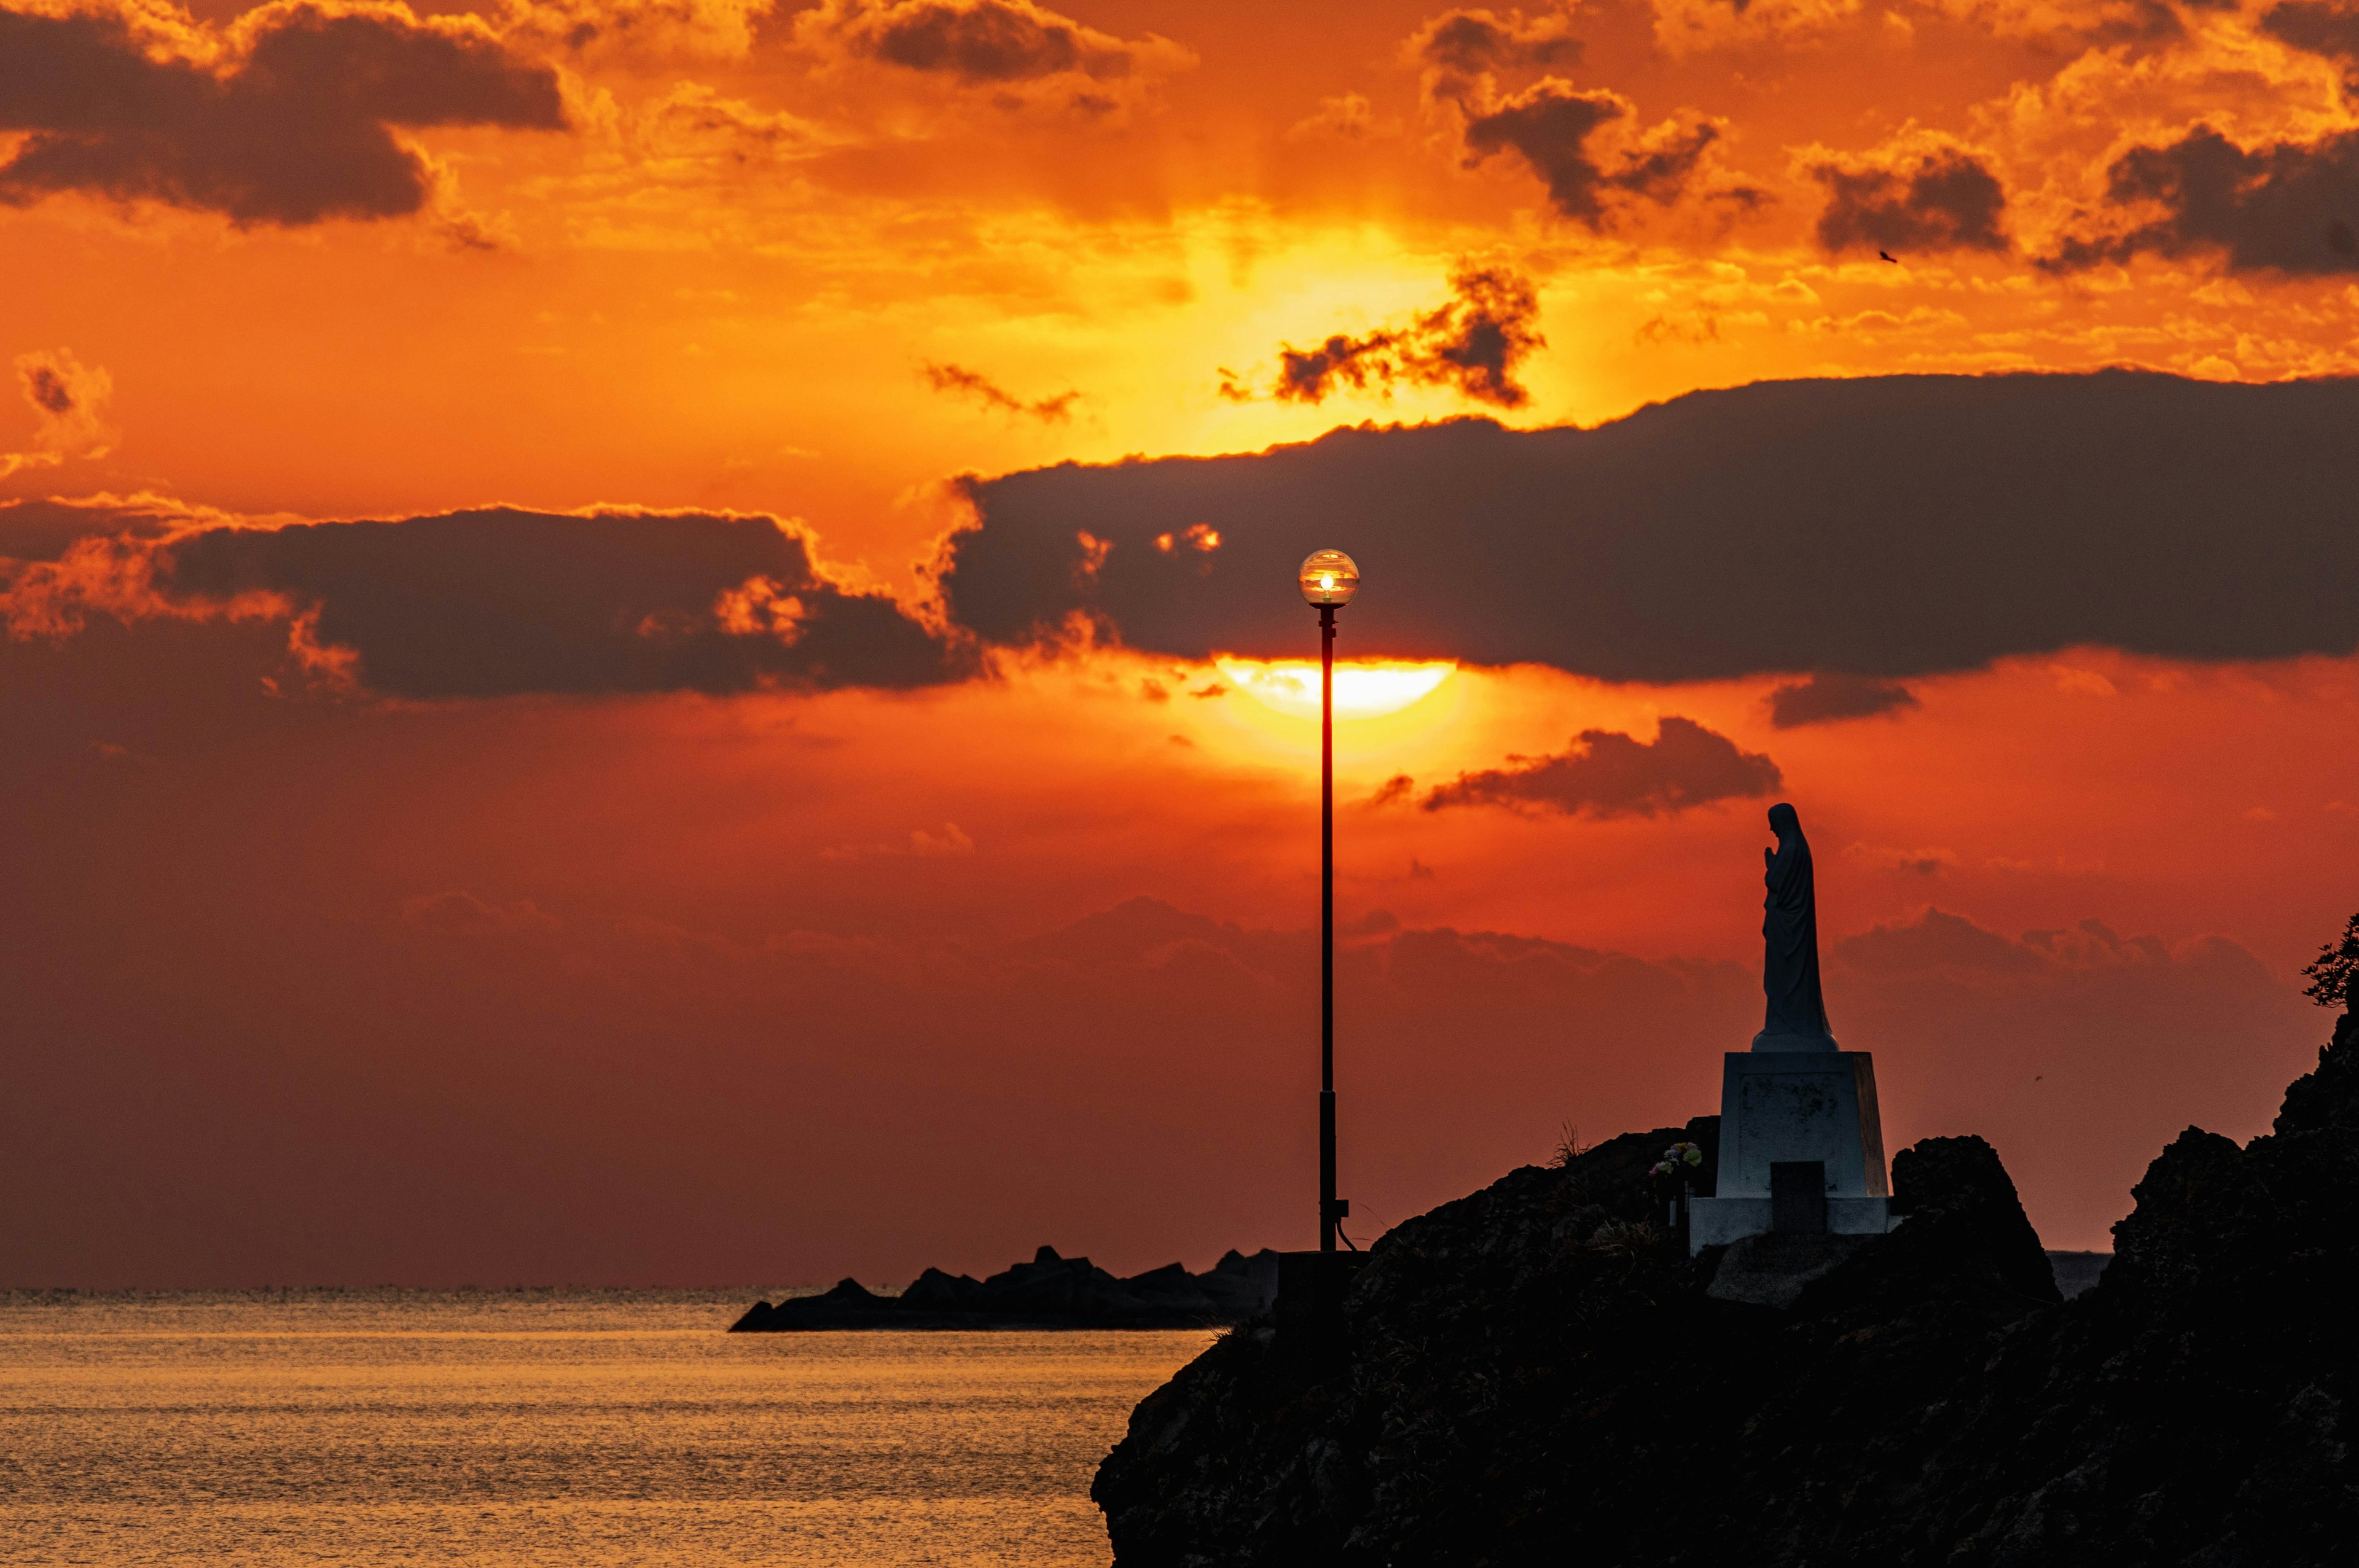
(1605, 774)
(1014, 52)
(43, 531)
(1458, 49)
(1826, 699)
(1348, 115)
(1929, 862)
(1687, 26)
(972, 384)
(2286, 207)
(1919, 193)
(1880, 526)
(502, 602)
(2063, 26)
(1472, 343)
(641, 30)
(2332, 31)
(1584, 146)
(1936, 943)
(461, 914)
(694, 131)
(951, 843)
(296, 128)
(69, 402)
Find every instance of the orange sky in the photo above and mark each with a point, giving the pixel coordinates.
(660, 974)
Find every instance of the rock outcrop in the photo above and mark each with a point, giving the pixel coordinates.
(1536, 1373)
(1050, 1292)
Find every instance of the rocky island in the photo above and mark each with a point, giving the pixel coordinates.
(1050, 1292)
(1540, 1373)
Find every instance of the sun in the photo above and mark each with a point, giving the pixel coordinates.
(1361, 690)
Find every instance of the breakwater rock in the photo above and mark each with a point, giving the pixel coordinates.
(1537, 1373)
(1050, 1292)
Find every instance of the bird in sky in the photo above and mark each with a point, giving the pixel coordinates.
(1887, 255)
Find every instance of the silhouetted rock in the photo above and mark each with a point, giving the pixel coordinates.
(1537, 1373)
(1050, 1292)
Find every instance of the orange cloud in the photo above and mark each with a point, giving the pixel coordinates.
(69, 402)
(640, 32)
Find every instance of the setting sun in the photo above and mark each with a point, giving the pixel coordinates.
(1368, 690)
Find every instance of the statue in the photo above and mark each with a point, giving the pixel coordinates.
(1801, 1140)
(1796, 1018)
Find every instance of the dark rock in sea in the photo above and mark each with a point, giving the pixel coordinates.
(1050, 1292)
(1537, 1373)
(2078, 1271)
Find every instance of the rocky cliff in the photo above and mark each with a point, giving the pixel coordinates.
(1534, 1373)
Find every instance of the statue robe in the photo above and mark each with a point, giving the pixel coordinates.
(1797, 1016)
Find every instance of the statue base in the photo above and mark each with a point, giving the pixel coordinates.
(1801, 1147)
(1716, 1222)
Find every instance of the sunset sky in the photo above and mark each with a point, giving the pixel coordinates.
(593, 692)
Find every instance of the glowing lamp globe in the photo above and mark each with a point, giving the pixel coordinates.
(1328, 576)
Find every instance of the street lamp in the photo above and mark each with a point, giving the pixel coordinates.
(1329, 579)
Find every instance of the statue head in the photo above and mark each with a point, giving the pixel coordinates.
(1785, 822)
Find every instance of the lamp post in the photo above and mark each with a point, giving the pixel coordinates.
(1328, 579)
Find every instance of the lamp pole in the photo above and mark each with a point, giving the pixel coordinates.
(1328, 579)
(1331, 1210)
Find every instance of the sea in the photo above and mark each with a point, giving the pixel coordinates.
(582, 1427)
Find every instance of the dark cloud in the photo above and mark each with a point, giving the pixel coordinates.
(2283, 207)
(983, 42)
(973, 383)
(499, 602)
(34, 530)
(461, 914)
(1586, 146)
(1465, 44)
(296, 130)
(1937, 943)
(1885, 527)
(1937, 197)
(1825, 699)
(502, 602)
(1606, 774)
(1568, 138)
(1472, 343)
(2328, 29)
(47, 391)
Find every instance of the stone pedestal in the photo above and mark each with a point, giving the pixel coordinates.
(1311, 1291)
(1801, 1147)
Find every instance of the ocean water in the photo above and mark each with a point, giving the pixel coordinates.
(577, 1427)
